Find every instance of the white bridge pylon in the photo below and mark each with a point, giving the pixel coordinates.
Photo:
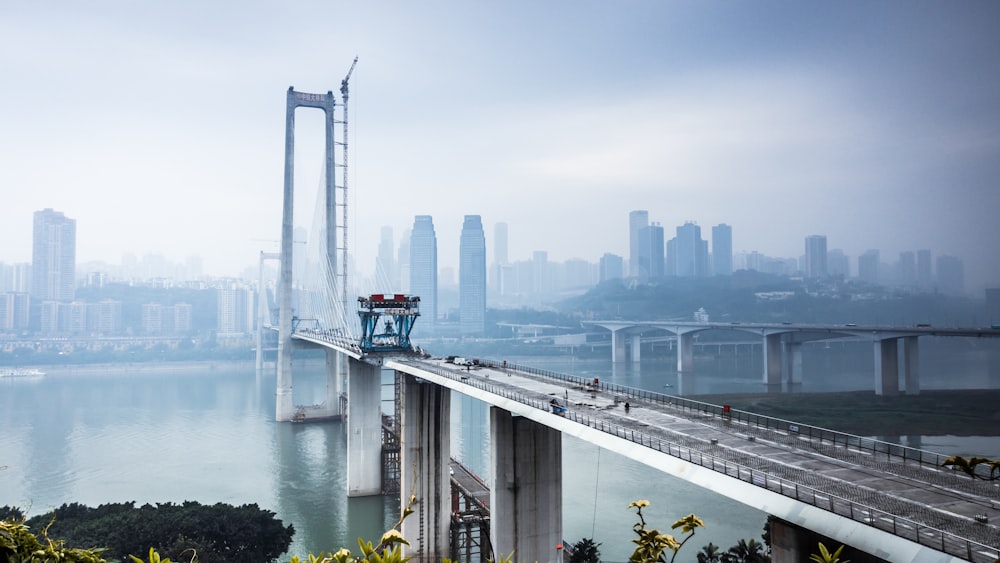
(317, 309)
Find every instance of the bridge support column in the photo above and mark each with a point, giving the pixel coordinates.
(334, 382)
(793, 361)
(526, 460)
(685, 351)
(636, 344)
(424, 456)
(911, 365)
(617, 345)
(887, 367)
(772, 359)
(364, 429)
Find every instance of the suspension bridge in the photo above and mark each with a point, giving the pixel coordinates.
(894, 503)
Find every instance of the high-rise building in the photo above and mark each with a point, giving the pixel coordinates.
(815, 263)
(868, 266)
(403, 262)
(612, 267)
(472, 277)
(722, 250)
(687, 253)
(385, 263)
(950, 275)
(500, 258)
(541, 272)
(651, 253)
(235, 310)
(424, 273)
(636, 220)
(837, 263)
(53, 256)
(13, 311)
(906, 269)
(925, 272)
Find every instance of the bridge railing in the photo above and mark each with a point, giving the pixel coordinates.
(947, 542)
(805, 431)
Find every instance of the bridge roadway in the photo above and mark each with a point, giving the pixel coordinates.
(881, 498)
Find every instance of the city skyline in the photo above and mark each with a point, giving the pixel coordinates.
(873, 125)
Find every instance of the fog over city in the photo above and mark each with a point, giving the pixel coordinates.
(159, 127)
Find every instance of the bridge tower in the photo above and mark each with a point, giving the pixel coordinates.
(285, 409)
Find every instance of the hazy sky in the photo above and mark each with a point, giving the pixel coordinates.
(159, 126)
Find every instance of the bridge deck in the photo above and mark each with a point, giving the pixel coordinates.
(914, 499)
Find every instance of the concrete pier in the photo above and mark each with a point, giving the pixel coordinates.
(772, 359)
(685, 351)
(526, 460)
(636, 348)
(911, 364)
(617, 345)
(887, 367)
(425, 453)
(364, 430)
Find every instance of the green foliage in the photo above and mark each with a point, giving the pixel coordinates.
(652, 546)
(710, 554)
(825, 556)
(968, 466)
(19, 545)
(585, 551)
(746, 552)
(214, 534)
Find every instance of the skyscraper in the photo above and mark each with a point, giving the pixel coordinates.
(868, 266)
(611, 267)
(650, 253)
(688, 253)
(472, 277)
(385, 263)
(423, 273)
(53, 256)
(499, 258)
(950, 275)
(722, 250)
(815, 266)
(636, 220)
(925, 276)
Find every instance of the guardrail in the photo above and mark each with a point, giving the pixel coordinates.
(944, 541)
(834, 437)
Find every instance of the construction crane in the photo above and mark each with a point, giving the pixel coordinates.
(343, 191)
(343, 83)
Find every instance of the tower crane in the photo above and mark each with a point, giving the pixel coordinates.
(343, 83)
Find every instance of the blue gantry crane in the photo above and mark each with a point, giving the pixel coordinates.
(400, 312)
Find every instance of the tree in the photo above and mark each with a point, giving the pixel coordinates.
(746, 552)
(220, 533)
(710, 554)
(652, 545)
(585, 551)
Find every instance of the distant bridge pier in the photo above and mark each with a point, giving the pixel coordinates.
(618, 345)
(772, 359)
(364, 429)
(793, 363)
(526, 471)
(685, 351)
(887, 365)
(911, 364)
(425, 454)
(636, 347)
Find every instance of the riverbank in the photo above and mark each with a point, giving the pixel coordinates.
(972, 412)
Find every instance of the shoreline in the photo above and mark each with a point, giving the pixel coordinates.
(961, 412)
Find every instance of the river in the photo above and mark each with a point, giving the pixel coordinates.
(206, 432)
